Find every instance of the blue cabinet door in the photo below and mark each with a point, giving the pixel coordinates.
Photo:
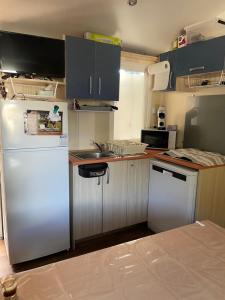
(190, 60)
(171, 57)
(107, 75)
(201, 57)
(80, 56)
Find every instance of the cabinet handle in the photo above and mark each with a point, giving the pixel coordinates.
(99, 181)
(90, 85)
(197, 68)
(99, 85)
(170, 83)
(108, 175)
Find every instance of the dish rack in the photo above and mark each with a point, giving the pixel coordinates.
(126, 147)
(207, 80)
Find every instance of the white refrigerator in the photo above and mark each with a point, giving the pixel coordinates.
(35, 183)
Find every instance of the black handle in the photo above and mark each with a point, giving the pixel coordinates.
(174, 174)
(114, 107)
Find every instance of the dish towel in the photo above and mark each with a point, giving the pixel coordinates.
(202, 158)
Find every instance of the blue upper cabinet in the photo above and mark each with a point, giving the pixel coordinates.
(107, 71)
(200, 57)
(80, 56)
(92, 69)
(171, 57)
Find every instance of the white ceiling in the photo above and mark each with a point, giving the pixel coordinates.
(148, 27)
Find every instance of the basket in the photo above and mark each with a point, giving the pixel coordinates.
(126, 147)
(33, 88)
(212, 79)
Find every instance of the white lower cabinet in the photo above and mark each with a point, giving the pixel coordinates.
(116, 200)
(115, 196)
(87, 206)
(138, 187)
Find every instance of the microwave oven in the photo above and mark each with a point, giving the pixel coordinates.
(159, 139)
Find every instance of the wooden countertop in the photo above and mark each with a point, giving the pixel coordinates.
(179, 162)
(148, 154)
(183, 163)
(157, 154)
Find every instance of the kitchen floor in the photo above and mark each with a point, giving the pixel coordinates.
(107, 240)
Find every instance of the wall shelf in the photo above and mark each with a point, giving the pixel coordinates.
(201, 82)
(33, 88)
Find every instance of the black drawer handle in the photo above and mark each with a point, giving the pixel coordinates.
(173, 174)
(197, 68)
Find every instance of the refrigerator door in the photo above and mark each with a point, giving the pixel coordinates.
(13, 124)
(37, 202)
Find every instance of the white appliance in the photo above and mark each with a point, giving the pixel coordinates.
(172, 193)
(159, 139)
(35, 184)
(161, 118)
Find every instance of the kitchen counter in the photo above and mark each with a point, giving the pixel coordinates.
(184, 263)
(157, 154)
(183, 163)
(148, 154)
(180, 162)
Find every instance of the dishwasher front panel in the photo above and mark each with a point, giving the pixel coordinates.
(172, 193)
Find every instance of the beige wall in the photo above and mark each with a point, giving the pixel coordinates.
(177, 104)
(84, 127)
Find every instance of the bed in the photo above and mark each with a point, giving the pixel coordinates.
(184, 263)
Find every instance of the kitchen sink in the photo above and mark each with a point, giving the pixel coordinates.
(92, 155)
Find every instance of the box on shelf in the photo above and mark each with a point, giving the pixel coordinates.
(103, 38)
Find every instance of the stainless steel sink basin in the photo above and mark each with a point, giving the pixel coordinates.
(92, 155)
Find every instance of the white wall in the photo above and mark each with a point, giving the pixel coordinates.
(84, 127)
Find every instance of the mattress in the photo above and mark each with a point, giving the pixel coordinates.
(184, 263)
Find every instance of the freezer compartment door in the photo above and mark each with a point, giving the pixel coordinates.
(33, 124)
(37, 203)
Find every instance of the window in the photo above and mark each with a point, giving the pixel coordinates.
(130, 117)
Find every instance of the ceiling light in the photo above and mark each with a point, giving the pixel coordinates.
(132, 2)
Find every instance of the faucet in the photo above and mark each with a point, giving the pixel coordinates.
(99, 146)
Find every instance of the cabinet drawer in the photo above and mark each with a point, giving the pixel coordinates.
(201, 57)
